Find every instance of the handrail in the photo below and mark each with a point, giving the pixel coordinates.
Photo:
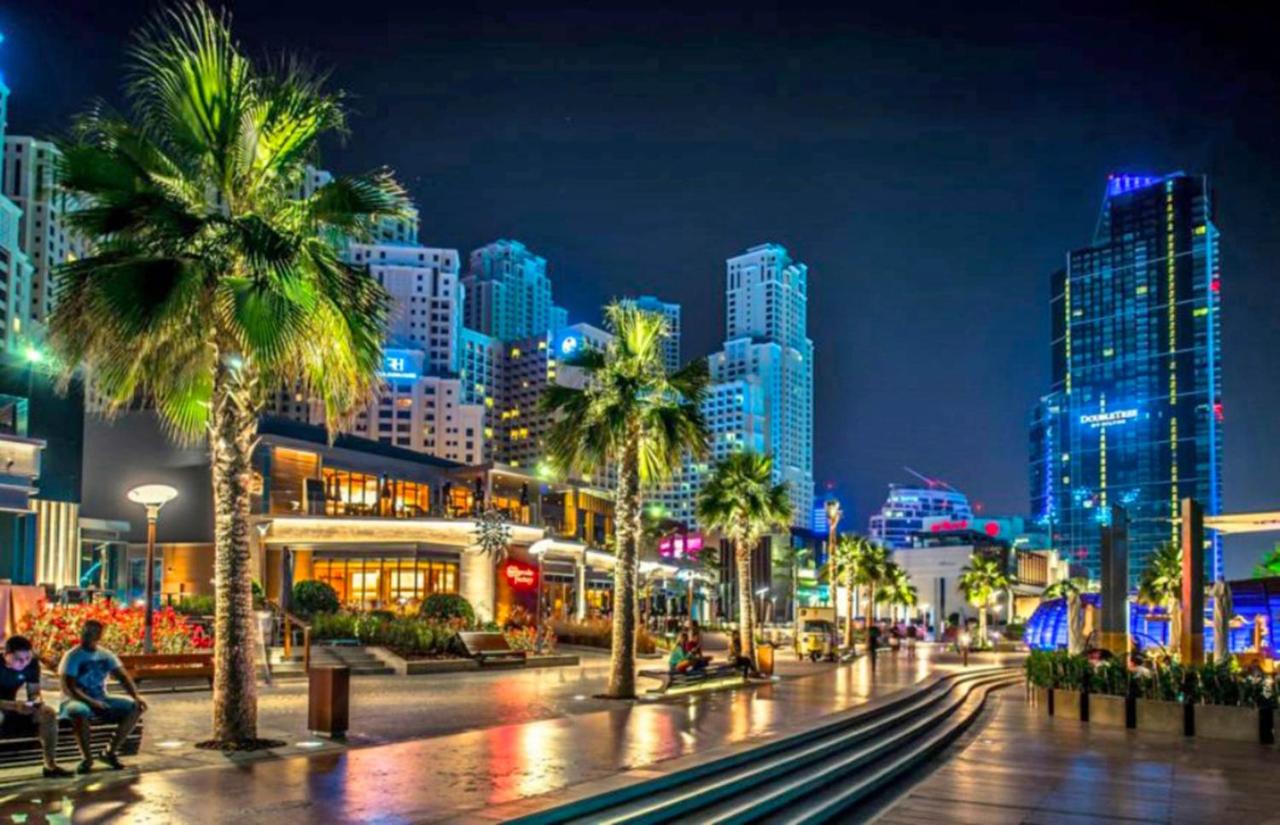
(288, 620)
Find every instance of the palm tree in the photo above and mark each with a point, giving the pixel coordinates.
(213, 279)
(1064, 588)
(897, 590)
(843, 566)
(834, 513)
(1269, 566)
(741, 501)
(1160, 585)
(631, 414)
(872, 564)
(980, 582)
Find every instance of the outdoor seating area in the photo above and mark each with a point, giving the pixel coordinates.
(713, 675)
(18, 752)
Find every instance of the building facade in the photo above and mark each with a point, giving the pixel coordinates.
(1134, 416)
(909, 507)
(426, 298)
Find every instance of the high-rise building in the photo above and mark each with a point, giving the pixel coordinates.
(422, 412)
(761, 397)
(671, 312)
(29, 166)
(1134, 417)
(909, 507)
(15, 268)
(508, 293)
(426, 309)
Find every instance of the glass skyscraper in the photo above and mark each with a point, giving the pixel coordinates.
(1134, 417)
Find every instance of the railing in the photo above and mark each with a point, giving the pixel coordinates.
(288, 622)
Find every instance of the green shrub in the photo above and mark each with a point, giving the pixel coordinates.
(1057, 669)
(1014, 631)
(198, 605)
(1111, 678)
(311, 597)
(325, 626)
(445, 606)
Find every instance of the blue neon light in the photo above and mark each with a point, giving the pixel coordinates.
(1119, 184)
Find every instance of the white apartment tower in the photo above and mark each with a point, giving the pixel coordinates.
(671, 312)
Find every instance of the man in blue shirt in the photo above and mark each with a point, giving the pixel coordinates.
(84, 670)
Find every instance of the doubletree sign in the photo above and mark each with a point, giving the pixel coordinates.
(1109, 418)
(520, 576)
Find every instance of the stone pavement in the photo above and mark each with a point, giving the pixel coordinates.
(1022, 766)
(465, 773)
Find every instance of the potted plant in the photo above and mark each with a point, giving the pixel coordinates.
(1162, 705)
(1110, 698)
(1230, 705)
(1039, 672)
(1070, 685)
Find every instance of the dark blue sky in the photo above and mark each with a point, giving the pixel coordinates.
(931, 165)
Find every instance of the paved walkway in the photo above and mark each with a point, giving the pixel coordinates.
(463, 774)
(1022, 766)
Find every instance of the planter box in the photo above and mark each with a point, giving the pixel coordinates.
(1071, 704)
(1155, 716)
(1041, 698)
(1236, 724)
(1112, 711)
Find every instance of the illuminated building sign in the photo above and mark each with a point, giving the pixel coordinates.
(1119, 184)
(1108, 419)
(679, 545)
(520, 576)
(398, 364)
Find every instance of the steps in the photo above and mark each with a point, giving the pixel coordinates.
(814, 776)
(361, 662)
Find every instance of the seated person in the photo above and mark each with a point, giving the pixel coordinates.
(679, 661)
(84, 670)
(693, 645)
(27, 716)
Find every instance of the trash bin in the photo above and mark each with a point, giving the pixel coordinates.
(764, 658)
(329, 700)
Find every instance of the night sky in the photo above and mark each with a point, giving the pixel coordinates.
(931, 165)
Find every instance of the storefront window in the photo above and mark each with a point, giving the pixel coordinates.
(387, 582)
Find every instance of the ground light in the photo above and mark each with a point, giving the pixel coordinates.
(152, 497)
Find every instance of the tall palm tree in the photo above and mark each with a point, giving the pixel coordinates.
(1269, 565)
(980, 582)
(213, 278)
(741, 501)
(1160, 585)
(843, 567)
(1064, 588)
(834, 513)
(872, 565)
(630, 414)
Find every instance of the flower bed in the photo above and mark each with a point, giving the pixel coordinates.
(55, 628)
(599, 633)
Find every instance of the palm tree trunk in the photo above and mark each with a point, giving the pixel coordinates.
(233, 432)
(982, 626)
(622, 659)
(746, 601)
(871, 610)
(848, 595)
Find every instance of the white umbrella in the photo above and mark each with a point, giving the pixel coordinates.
(1075, 624)
(1222, 612)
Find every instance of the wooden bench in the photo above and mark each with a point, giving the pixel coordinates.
(25, 751)
(490, 647)
(169, 666)
(690, 678)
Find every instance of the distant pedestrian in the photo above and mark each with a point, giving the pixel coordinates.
(913, 633)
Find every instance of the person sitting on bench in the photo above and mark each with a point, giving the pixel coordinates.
(737, 659)
(27, 716)
(84, 671)
(693, 645)
(679, 661)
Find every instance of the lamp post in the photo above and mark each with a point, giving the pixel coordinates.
(152, 497)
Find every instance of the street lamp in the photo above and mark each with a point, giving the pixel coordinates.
(152, 497)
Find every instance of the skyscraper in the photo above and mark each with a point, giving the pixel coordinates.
(426, 309)
(1135, 414)
(761, 397)
(42, 232)
(671, 312)
(508, 293)
(15, 268)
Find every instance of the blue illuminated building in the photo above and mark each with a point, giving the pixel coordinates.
(1134, 417)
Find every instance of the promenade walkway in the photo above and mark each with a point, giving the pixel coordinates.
(1021, 766)
(465, 775)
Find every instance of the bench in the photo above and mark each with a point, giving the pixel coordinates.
(690, 678)
(490, 647)
(169, 666)
(21, 752)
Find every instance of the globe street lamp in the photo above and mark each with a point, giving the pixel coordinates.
(152, 497)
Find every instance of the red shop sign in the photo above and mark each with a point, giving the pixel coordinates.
(520, 576)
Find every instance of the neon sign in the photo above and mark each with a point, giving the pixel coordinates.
(1108, 419)
(520, 576)
(680, 545)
